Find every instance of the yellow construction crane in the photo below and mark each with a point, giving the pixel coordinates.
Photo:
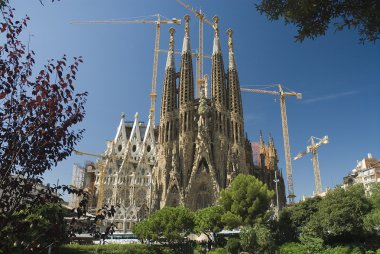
(158, 22)
(313, 149)
(102, 166)
(285, 132)
(199, 68)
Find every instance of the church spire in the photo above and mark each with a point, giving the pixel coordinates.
(272, 152)
(186, 77)
(169, 98)
(262, 145)
(186, 40)
(235, 103)
(186, 87)
(169, 94)
(170, 59)
(231, 56)
(216, 48)
(218, 74)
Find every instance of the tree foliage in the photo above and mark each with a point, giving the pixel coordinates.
(313, 18)
(38, 114)
(170, 224)
(257, 239)
(372, 220)
(230, 220)
(246, 197)
(208, 220)
(293, 218)
(340, 216)
(36, 228)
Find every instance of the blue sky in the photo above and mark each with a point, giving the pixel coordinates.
(339, 78)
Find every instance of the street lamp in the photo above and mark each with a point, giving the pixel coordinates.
(276, 180)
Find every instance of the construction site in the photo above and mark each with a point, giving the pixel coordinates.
(199, 143)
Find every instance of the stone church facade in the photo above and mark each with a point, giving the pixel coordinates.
(197, 149)
(202, 144)
(128, 162)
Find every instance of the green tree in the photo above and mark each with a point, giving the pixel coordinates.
(170, 224)
(312, 242)
(37, 227)
(230, 220)
(208, 221)
(340, 216)
(257, 239)
(293, 218)
(246, 197)
(233, 245)
(372, 220)
(313, 18)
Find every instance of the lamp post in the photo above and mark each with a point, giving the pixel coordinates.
(276, 180)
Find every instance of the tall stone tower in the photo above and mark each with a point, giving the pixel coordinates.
(201, 141)
(267, 170)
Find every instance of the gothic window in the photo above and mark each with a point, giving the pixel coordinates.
(202, 195)
(140, 197)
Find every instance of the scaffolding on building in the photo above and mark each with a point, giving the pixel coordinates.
(77, 182)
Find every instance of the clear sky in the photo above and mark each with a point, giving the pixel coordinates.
(339, 78)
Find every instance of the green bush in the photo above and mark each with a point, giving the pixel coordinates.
(292, 248)
(233, 245)
(295, 248)
(338, 250)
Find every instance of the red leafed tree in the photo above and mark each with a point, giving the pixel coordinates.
(38, 114)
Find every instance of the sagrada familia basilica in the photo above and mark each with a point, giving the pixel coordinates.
(197, 149)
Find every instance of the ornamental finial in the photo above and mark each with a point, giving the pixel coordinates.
(216, 28)
(230, 43)
(122, 115)
(187, 28)
(171, 40)
(136, 115)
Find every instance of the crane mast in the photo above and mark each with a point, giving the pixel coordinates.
(157, 22)
(313, 149)
(153, 94)
(317, 172)
(285, 132)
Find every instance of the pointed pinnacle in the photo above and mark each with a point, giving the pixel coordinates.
(171, 40)
(216, 28)
(187, 28)
(230, 43)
